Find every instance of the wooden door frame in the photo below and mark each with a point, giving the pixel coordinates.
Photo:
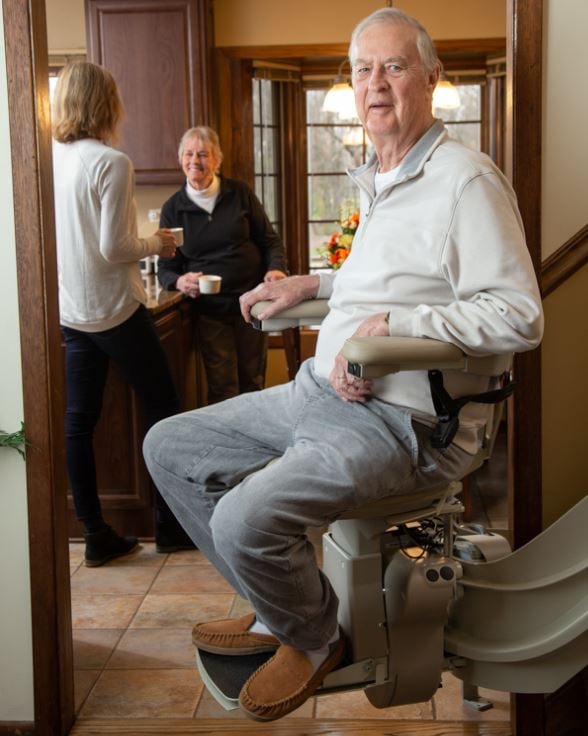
(26, 57)
(42, 366)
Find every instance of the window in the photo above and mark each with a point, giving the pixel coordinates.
(333, 145)
(465, 123)
(266, 158)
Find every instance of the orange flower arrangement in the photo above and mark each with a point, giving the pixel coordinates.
(339, 245)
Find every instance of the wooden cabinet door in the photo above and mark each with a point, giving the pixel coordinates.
(158, 52)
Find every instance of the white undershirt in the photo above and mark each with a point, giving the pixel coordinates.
(385, 179)
(204, 198)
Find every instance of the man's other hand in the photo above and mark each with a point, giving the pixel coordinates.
(282, 294)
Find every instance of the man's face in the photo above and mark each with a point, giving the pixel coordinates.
(393, 90)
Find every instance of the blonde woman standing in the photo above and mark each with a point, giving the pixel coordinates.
(101, 295)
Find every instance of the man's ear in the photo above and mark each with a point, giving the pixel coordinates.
(434, 77)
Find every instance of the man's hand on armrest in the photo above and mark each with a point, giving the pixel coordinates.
(282, 294)
(352, 388)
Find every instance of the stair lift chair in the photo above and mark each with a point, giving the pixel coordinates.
(418, 592)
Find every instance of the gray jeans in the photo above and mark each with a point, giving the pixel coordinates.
(250, 518)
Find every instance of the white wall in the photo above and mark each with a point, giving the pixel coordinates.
(564, 208)
(16, 670)
(565, 112)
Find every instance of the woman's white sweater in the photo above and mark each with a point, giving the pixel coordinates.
(98, 251)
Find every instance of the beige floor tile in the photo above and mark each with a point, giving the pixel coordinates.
(76, 554)
(179, 611)
(209, 708)
(141, 649)
(103, 611)
(144, 694)
(93, 647)
(190, 579)
(145, 556)
(83, 682)
(186, 557)
(449, 704)
(119, 580)
(354, 704)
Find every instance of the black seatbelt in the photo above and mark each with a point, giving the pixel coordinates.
(448, 408)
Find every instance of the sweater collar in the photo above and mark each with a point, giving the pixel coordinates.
(412, 164)
(185, 203)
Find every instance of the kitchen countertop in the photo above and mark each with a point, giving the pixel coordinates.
(158, 299)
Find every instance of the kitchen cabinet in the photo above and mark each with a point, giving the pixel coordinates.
(125, 488)
(159, 52)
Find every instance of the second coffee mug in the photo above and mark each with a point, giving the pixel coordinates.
(209, 284)
(178, 233)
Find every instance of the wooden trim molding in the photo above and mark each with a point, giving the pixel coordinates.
(479, 46)
(562, 264)
(294, 727)
(17, 728)
(42, 373)
(524, 97)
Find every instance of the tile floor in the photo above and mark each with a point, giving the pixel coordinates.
(133, 656)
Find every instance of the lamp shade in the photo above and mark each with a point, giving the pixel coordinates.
(446, 96)
(341, 100)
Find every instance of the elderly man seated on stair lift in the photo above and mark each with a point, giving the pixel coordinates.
(440, 253)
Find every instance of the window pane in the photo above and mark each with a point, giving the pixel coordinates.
(268, 147)
(255, 101)
(327, 149)
(314, 103)
(267, 102)
(257, 150)
(259, 188)
(270, 199)
(318, 237)
(327, 195)
(466, 133)
(470, 109)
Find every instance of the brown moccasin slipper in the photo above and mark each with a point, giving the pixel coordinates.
(285, 682)
(232, 636)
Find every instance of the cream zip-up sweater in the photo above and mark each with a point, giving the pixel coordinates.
(443, 251)
(98, 251)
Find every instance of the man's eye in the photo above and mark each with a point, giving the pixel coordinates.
(362, 70)
(393, 68)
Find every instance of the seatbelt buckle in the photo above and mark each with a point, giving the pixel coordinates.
(444, 432)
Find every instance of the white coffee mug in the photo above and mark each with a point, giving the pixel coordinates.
(209, 284)
(178, 233)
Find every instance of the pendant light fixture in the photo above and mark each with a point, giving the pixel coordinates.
(445, 95)
(340, 98)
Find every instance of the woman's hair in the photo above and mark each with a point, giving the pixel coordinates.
(394, 16)
(86, 104)
(207, 135)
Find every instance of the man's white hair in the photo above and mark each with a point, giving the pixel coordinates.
(394, 16)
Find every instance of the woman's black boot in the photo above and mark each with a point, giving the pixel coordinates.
(105, 545)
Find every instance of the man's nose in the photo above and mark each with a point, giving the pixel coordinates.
(377, 78)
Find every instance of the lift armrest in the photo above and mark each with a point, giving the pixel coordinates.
(310, 312)
(372, 357)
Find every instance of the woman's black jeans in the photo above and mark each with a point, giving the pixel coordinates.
(135, 347)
